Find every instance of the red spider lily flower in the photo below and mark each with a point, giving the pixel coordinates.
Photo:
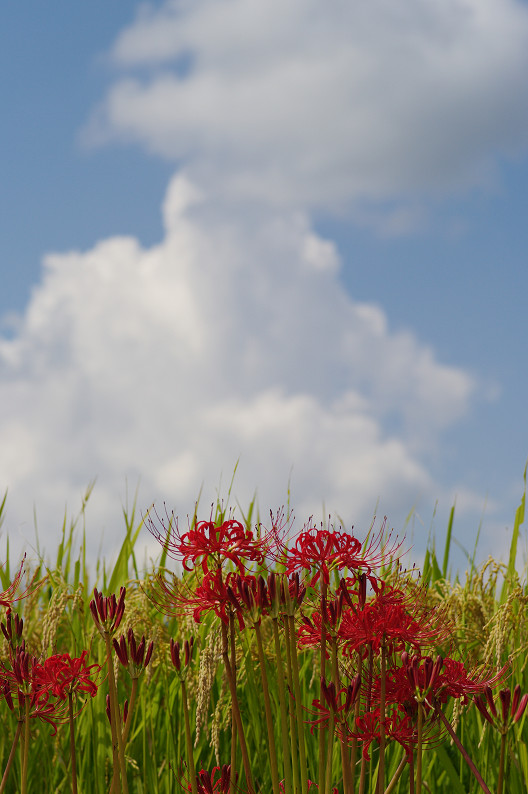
(322, 551)
(329, 614)
(211, 595)
(175, 649)
(398, 727)
(209, 543)
(393, 619)
(216, 782)
(12, 629)
(250, 595)
(60, 675)
(108, 611)
(336, 702)
(457, 682)
(9, 597)
(135, 657)
(512, 706)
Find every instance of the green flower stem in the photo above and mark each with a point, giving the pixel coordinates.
(298, 705)
(236, 710)
(354, 742)
(502, 762)
(463, 752)
(18, 731)
(383, 686)
(25, 753)
(72, 743)
(329, 754)
(117, 735)
(322, 663)
(188, 740)
(131, 705)
(267, 710)
(345, 760)
(283, 710)
(396, 776)
(233, 722)
(419, 737)
(293, 726)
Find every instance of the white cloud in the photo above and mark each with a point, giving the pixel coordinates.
(316, 104)
(227, 340)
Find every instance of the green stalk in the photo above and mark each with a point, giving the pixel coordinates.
(283, 709)
(396, 776)
(72, 743)
(363, 773)
(419, 732)
(322, 665)
(293, 727)
(354, 742)
(188, 740)
(236, 711)
(267, 710)
(345, 761)
(502, 762)
(298, 706)
(132, 703)
(233, 723)
(383, 684)
(329, 754)
(117, 734)
(11, 755)
(463, 752)
(25, 754)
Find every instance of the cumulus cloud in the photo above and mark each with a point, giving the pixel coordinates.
(320, 105)
(226, 341)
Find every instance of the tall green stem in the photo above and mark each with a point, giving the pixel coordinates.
(267, 710)
(117, 735)
(298, 705)
(188, 739)
(295, 754)
(18, 731)
(283, 710)
(462, 750)
(72, 743)
(502, 762)
(236, 711)
(25, 754)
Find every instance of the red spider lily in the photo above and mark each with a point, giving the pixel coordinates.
(216, 782)
(322, 551)
(336, 702)
(12, 628)
(209, 543)
(397, 727)
(60, 675)
(250, 596)
(7, 598)
(512, 707)
(212, 595)
(455, 681)
(21, 682)
(187, 654)
(393, 619)
(135, 657)
(108, 611)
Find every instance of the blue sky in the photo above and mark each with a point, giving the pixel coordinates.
(336, 285)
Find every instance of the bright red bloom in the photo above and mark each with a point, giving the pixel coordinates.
(322, 551)
(391, 618)
(9, 597)
(397, 727)
(60, 675)
(216, 782)
(209, 543)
